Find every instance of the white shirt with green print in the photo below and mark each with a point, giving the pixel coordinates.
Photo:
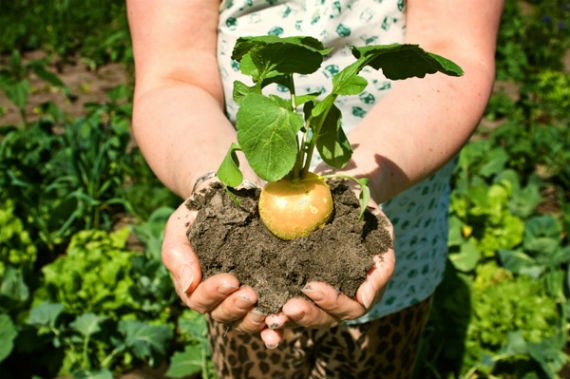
(419, 214)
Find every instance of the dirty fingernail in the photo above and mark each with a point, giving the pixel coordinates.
(259, 312)
(186, 278)
(226, 289)
(247, 300)
(315, 295)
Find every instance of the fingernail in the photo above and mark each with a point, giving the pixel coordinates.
(186, 278)
(367, 297)
(272, 347)
(315, 295)
(259, 312)
(227, 289)
(247, 300)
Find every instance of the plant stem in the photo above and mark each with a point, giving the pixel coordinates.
(316, 131)
(109, 359)
(300, 146)
(85, 356)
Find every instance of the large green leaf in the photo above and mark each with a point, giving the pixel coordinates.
(267, 134)
(45, 314)
(542, 234)
(186, 363)
(271, 55)
(8, 334)
(401, 61)
(146, 340)
(88, 324)
(467, 258)
(332, 144)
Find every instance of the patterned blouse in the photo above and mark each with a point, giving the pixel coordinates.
(419, 214)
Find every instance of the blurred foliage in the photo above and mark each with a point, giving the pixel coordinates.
(83, 296)
(96, 30)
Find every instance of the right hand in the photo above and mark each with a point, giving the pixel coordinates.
(219, 295)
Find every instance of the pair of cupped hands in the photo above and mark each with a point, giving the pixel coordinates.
(227, 301)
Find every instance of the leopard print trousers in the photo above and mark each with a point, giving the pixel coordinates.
(383, 348)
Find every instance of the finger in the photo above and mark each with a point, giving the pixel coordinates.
(271, 338)
(372, 289)
(211, 292)
(252, 322)
(333, 302)
(235, 306)
(308, 315)
(276, 321)
(177, 254)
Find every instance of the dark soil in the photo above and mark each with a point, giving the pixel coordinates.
(228, 239)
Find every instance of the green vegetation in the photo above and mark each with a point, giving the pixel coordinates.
(83, 296)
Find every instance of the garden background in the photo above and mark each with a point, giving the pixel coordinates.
(83, 292)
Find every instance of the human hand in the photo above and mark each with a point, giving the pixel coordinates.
(329, 306)
(221, 295)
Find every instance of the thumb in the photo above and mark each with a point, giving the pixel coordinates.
(372, 290)
(177, 253)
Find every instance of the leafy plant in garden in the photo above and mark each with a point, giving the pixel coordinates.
(97, 313)
(96, 29)
(279, 142)
(196, 355)
(14, 80)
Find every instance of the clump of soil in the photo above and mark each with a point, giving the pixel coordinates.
(230, 239)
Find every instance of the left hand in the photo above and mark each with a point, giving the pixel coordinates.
(331, 307)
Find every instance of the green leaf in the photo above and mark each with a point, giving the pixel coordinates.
(302, 99)
(542, 234)
(93, 373)
(495, 161)
(272, 55)
(332, 144)
(13, 285)
(88, 324)
(48, 76)
(455, 237)
(8, 334)
(347, 82)
(45, 314)
(229, 172)
(241, 90)
(516, 344)
(467, 258)
(549, 354)
(267, 134)
(192, 325)
(364, 196)
(146, 340)
(17, 92)
(401, 61)
(186, 363)
(518, 262)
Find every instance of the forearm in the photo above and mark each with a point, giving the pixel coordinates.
(422, 123)
(182, 132)
(418, 127)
